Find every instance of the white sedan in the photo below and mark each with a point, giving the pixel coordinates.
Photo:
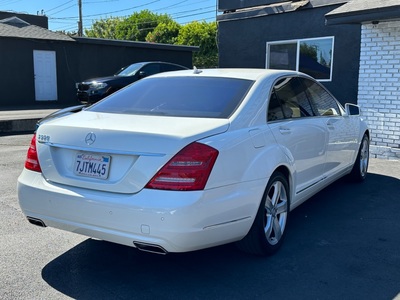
(192, 159)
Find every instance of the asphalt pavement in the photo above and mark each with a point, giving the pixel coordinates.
(343, 243)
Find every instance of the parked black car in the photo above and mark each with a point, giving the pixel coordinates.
(95, 89)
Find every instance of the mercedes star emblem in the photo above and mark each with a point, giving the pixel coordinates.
(90, 138)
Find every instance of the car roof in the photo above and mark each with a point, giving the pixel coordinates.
(158, 62)
(238, 73)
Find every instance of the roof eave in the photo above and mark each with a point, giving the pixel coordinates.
(260, 11)
(366, 16)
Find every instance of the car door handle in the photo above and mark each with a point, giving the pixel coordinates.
(284, 130)
(331, 122)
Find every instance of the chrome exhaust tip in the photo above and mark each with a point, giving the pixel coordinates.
(150, 248)
(36, 222)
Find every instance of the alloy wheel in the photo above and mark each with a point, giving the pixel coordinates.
(276, 211)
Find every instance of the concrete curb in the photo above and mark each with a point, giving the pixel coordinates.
(18, 126)
(18, 121)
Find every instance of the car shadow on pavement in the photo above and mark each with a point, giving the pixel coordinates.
(344, 243)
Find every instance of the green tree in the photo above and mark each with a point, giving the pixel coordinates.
(104, 28)
(156, 28)
(164, 33)
(139, 25)
(204, 35)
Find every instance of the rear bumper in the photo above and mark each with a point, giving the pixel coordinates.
(175, 221)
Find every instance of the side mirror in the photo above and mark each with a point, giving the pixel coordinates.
(352, 109)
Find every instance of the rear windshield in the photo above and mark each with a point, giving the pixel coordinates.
(204, 97)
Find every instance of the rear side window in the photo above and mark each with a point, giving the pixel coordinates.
(322, 101)
(204, 97)
(288, 100)
(275, 111)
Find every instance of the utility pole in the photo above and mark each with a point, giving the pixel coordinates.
(80, 25)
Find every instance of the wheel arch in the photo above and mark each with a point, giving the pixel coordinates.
(262, 241)
(368, 134)
(363, 132)
(285, 171)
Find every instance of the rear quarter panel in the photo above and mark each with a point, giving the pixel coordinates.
(245, 156)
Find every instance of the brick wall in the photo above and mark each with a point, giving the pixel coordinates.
(379, 86)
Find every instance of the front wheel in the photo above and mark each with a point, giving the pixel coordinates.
(360, 167)
(268, 230)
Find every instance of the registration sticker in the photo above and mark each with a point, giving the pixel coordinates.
(92, 165)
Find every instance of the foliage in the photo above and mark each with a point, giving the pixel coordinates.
(203, 35)
(161, 28)
(164, 33)
(104, 28)
(139, 25)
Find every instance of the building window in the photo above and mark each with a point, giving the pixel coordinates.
(311, 56)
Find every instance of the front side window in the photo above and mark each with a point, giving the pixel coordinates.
(202, 97)
(311, 56)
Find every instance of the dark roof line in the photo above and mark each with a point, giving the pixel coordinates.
(276, 8)
(364, 11)
(126, 43)
(15, 27)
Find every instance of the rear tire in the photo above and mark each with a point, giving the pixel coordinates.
(268, 230)
(360, 167)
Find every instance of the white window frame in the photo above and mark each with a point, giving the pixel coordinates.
(298, 42)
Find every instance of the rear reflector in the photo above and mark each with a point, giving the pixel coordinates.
(186, 171)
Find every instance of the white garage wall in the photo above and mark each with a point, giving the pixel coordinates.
(379, 86)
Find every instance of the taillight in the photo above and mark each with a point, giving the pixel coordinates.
(186, 171)
(32, 161)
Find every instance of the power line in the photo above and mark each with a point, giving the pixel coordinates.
(64, 8)
(47, 11)
(116, 11)
(100, 1)
(125, 16)
(174, 15)
(173, 5)
(8, 2)
(193, 10)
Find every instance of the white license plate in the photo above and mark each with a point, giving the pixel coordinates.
(92, 165)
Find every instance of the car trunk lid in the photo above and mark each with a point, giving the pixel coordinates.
(115, 152)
